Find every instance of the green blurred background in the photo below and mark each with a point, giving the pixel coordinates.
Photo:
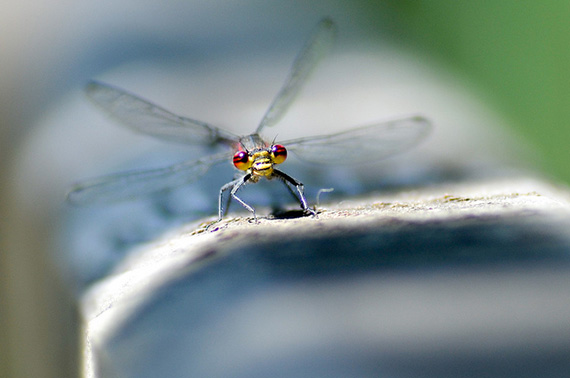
(515, 53)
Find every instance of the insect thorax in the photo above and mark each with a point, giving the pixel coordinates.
(252, 142)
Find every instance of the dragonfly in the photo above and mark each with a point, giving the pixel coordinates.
(254, 157)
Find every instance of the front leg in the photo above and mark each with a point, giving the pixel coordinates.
(291, 183)
(234, 186)
(225, 188)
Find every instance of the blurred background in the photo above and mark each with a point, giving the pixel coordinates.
(498, 69)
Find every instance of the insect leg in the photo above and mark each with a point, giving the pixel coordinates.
(291, 183)
(226, 187)
(234, 186)
(234, 190)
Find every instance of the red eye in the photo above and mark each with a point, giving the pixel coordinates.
(278, 153)
(241, 160)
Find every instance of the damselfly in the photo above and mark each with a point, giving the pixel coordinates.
(253, 156)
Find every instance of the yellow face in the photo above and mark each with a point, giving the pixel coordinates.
(260, 163)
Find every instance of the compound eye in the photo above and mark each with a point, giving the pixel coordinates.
(278, 153)
(241, 160)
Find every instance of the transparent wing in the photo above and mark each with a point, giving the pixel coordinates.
(320, 42)
(145, 117)
(129, 185)
(364, 144)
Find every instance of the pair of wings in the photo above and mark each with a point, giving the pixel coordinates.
(369, 143)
